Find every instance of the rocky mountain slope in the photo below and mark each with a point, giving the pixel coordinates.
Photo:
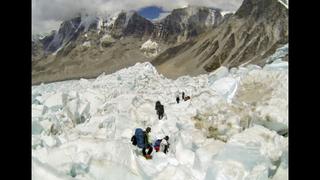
(86, 46)
(184, 23)
(191, 40)
(251, 35)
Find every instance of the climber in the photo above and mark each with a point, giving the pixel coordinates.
(142, 140)
(177, 99)
(160, 109)
(186, 98)
(162, 145)
(157, 105)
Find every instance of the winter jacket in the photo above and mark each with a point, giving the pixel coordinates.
(163, 144)
(147, 139)
(161, 109)
(158, 104)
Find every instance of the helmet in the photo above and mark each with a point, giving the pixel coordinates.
(148, 129)
(166, 138)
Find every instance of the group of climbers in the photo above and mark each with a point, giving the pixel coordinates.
(185, 98)
(160, 108)
(142, 140)
(162, 145)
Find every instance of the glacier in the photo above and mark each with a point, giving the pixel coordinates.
(231, 128)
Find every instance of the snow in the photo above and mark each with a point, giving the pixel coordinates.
(86, 44)
(38, 36)
(211, 18)
(161, 16)
(228, 129)
(150, 48)
(112, 18)
(87, 21)
(279, 54)
(38, 110)
(128, 17)
(252, 154)
(55, 101)
(56, 42)
(223, 13)
(191, 10)
(284, 2)
(149, 45)
(107, 37)
(36, 127)
(55, 53)
(100, 24)
(225, 87)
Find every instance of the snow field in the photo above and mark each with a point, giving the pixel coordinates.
(227, 130)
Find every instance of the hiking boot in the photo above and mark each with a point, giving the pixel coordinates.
(148, 156)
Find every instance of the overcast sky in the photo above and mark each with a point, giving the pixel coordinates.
(48, 14)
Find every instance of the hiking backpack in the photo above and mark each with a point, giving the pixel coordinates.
(134, 140)
(157, 143)
(139, 136)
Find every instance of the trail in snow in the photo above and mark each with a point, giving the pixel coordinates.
(227, 130)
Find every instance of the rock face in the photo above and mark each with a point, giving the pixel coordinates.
(251, 35)
(190, 40)
(37, 49)
(116, 42)
(86, 46)
(131, 23)
(188, 22)
(68, 30)
(256, 30)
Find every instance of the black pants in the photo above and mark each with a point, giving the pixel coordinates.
(160, 115)
(149, 150)
(166, 149)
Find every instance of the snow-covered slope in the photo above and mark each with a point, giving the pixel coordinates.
(227, 130)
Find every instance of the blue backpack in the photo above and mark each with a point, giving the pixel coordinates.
(139, 134)
(157, 143)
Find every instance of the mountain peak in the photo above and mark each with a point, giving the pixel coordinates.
(259, 8)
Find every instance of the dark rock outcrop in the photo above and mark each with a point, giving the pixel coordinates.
(131, 24)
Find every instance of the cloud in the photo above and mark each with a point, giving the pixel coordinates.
(161, 16)
(45, 26)
(48, 14)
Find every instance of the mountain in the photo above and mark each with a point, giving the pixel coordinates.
(184, 23)
(251, 35)
(189, 41)
(131, 23)
(86, 46)
(234, 125)
(37, 48)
